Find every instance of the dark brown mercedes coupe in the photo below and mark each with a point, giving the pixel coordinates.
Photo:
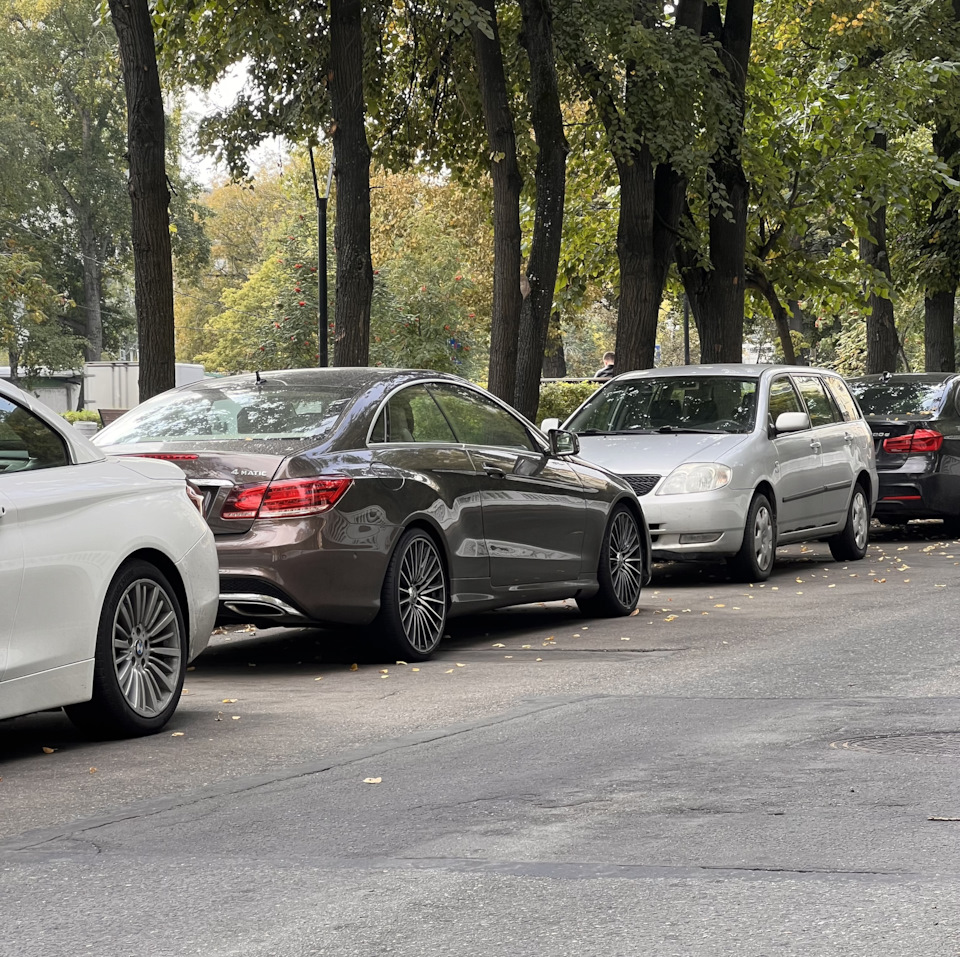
(390, 498)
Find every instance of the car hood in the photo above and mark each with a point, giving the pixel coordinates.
(656, 453)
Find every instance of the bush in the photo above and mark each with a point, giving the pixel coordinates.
(84, 415)
(559, 399)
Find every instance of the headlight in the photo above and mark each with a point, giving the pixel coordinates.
(696, 477)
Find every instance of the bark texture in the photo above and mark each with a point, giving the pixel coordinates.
(351, 154)
(716, 294)
(149, 196)
(507, 184)
(547, 117)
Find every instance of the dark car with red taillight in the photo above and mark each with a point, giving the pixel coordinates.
(389, 497)
(915, 420)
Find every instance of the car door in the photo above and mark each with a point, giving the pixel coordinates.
(835, 438)
(533, 504)
(799, 487)
(419, 458)
(11, 570)
(54, 520)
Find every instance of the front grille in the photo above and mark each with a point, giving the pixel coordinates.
(642, 484)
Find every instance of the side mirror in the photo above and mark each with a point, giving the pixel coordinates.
(549, 424)
(563, 442)
(792, 422)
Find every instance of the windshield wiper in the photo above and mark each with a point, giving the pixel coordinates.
(613, 431)
(680, 428)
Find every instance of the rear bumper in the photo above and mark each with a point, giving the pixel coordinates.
(918, 496)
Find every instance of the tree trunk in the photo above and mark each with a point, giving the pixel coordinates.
(149, 196)
(939, 341)
(547, 119)
(882, 343)
(944, 228)
(554, 359)
(507, 184)
(92, 288)
(717, 294)
(798, 324)
(639, 301)
(352, 163)
(781, 317)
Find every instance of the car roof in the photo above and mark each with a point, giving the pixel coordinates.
(894, 377)
(353, 377)
(752, 370)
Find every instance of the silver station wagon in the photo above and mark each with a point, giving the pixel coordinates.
(733, 460)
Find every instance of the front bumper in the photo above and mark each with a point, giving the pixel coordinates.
(701, 524)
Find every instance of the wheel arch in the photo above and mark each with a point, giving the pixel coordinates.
(163, 563)
(425, 525)
(765, 488)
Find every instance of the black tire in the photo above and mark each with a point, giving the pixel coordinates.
(951, 527)
(754, 561)
(141, 657)
(619, 569)
(850, 545)
(414, 598)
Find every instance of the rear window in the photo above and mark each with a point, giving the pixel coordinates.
(237, 411)
(893, 400)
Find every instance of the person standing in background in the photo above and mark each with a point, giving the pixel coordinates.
(607, 370)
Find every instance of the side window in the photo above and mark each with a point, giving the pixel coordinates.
(479, 421)
(27, 442)
(413, 416)
(819, 405)
(840, 392)
(783, 398)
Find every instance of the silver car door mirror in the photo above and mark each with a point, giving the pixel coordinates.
(563, 442)
(792, 422)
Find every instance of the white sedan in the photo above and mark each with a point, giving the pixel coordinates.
(108, 577)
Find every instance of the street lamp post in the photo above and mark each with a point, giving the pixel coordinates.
(323, 316)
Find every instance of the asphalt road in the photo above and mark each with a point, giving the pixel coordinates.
(735, 770)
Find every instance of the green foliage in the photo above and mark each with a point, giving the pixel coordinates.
(559, 399)
(84, 415)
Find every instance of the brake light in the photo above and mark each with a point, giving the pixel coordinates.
(923, 440)
(168, 456)
(287, 498)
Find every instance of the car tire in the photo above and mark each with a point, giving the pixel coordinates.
(620, 568)
(140, 659)
(414, 598)
(754, 561)
(851, 544)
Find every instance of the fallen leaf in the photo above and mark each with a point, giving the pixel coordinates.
(879, 581)
(319, 679)
(234, 700)
(235, 717)
(176, 734)
(402, 663)
(636, 611)
(372, 780)
(414, 669)
(49, 750)
(525, 646)
(670, 618)
(498, 645)
(943, 818)
(384, 671)
(354, 667)
(184, 691)
(450, 672)
(624, 639)
(831, 586)
(719, 606)
(93, 770)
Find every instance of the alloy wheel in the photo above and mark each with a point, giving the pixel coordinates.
(626, 558)
(422, 595)
(147, 647)
(859, 518)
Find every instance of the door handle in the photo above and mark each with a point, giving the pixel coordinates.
(848, 438)
(815, 445)
(494, 471)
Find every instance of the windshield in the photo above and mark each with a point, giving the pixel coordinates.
(236, 411)
(671, 403)
(893, 400)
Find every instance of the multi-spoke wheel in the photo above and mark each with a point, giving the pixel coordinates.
(851, 544)
(414, 599)
(141, 656)
(620, 568)
(754, 561)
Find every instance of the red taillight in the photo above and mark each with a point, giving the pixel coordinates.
(923, 440)
(288, 498)
(168, 456)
